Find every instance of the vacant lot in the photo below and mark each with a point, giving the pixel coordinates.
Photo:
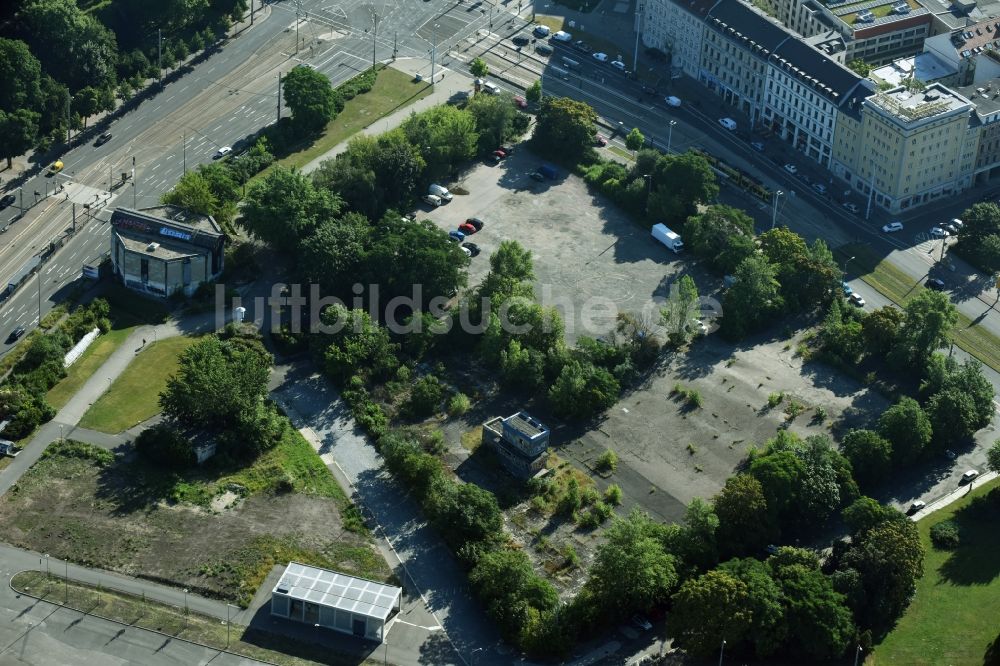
(135, 395)
(586, 250)
(955, 613)
(217, 537)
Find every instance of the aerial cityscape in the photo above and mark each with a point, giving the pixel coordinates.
(461, 332)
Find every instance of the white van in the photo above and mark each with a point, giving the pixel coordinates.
(490, 88)
(432, 200)
(728, 123)
(441, 192)
(562, 36)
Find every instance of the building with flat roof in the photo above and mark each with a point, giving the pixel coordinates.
(974, 50)
(165, 249)
(924, 67)
(325, 598)
(520, 441)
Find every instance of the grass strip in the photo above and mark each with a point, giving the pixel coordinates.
(93, 358)
(172, 621)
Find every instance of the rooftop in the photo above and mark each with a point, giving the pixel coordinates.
(925, 67)
(159, 249)
(337, 590)
(184, 216)
(870, 13)
(913, 106)
(959, 14)
(525, 423)
(985, 97)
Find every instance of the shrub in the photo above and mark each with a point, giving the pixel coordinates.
(70, 448)
(608, 462)
(572, 560)
(945, 535)
(459, 404)
(613, 495)
(775, 399)
(426, 397)
(590, 496)
(164, 446)
(794, 409)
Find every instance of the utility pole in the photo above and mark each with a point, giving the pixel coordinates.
(635, 55)
(69, 99)
(159, 55)
(20, 191)
(394, 35)
(433, 52)
(251, 20)
(871, 193)
(296, 26)
(109, 177)
(670, 134)
(184, 150)
(74, 217)
(774, 211)
(39, 274)
(279, 95)
(134, 184)
(374, 36)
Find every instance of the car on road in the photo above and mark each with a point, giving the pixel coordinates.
(950, 228)
(472, 248)
(541, 31)
(520, 102)
(56, 167)
(467, 228)
(955, 222)
(892, 227)
(521, 40)
(949, 454)
(791, 168)
(935, 284)
(618, 64)
(102, 139)
(222, 152)
(456, 236)
(544, 49)
(819, 187)
(847, 288)
(970, 475)
(672, 101)
(601, 140)
(640, 622)
(582, 46)
(856, 300)
(600, 56)
(7, 200)
(650, 90)
(562, 36)
(15, 335)
(432, 200)
(916, 506)
(757, 145)
(851, 207)
(476, 222)
(938, 232)
(728, 123)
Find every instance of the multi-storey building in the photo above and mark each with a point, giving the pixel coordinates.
(677, 28)
(973, 50)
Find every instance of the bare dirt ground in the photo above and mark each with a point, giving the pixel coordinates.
(73, 509)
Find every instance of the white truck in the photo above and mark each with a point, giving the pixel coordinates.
(669, 238)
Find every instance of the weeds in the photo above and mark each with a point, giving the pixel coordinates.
(775, 399)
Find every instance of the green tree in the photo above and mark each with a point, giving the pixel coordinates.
(583, 391)
(509, 588)
(870, 455)
(866, 513)
(722, 235)
(681, 310)
(494, 117)
(445, 137)
(881, 329)
(963, 404)
(764, 601)
(86, 101)
(192, 192)
(20, 76)
(680, 184)
(753, 297)
(993, 457)
(906, 426)
(533, 94)
(308, 94)
(746, 525)
(817, 619)
(479, 68)
(335, 253)
(18, 132)
(927, 320)
(979, 238)
(353, 344)
(565, 129)
(707, 610)
(425, 397)
(72, 45)
(634, 140)
(464, 513)
(860, 67)
(284, 207)
(808, 275)
(631, 571)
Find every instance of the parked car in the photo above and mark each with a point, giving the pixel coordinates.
(466, 250)
(935, 284)
(649, 90)
(600, 56)
(847, 288)
(791, 168)
(490, 88)
(520, 102)
(728, 123)
(7, 200)
(915, 507)
(467, 228)
(938, 232)
(640, 622)
(819, 187)
(103, 139)
(601, 140)
(851, 207)
(456, 236)
(521, 40)
(222, 152)
(499, 155)
(672, 101)
(541, 31)
(757, 145)
(856, 300)
(472, 248)
(544, 49)
(618, 64)
(892, 227)
(537, 176)
(957, 223)
(15, 335)
(440, 191)
(950, 228)
(970, 475)
(432, 200)
(582, 46)
(476, 222)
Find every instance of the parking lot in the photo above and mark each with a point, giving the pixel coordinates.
(585, 250)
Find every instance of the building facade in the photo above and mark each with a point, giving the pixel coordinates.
(520, 441)
(677, 28)
(165, 250)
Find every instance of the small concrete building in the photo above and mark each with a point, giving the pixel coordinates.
(165, 249)
(325, 598)
(521, 441)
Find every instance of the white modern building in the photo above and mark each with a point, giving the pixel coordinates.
(325, 598)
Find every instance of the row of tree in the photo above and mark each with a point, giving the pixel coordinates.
(979, 238)
(52, 51)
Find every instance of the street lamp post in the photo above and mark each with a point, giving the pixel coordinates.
(845, 266)
(433, 51)
(774, 208)
(472, 655)
(185, 601)
(670, 134)
(722, 650)
(857, 653)
(649, 188)
(46, 565)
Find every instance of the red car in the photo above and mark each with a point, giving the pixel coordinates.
(467, 228)
(520, 102)
(498, 155)
(601, 141)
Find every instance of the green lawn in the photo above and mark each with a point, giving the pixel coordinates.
(135, 395)
(955, 613)
(900, 287)
(78, 373)
(392, 91)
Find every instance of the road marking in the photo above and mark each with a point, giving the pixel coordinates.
(169, 98)
(420, 626)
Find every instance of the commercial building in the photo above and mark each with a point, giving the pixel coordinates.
(924, 67)
(165, 249)
(520, 441)
(325, 598)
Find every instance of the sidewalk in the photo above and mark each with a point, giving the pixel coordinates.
(953, 496)
(448, 84)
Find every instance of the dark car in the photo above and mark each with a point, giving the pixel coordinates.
(544, 49)
(757, 145)
(537, 176)
(103, 139)
(521, 40)
(472, 248)
(7, 200)
(476, 222)
(16, 334)
(582, 46)
(935, 284)
(649, 90)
